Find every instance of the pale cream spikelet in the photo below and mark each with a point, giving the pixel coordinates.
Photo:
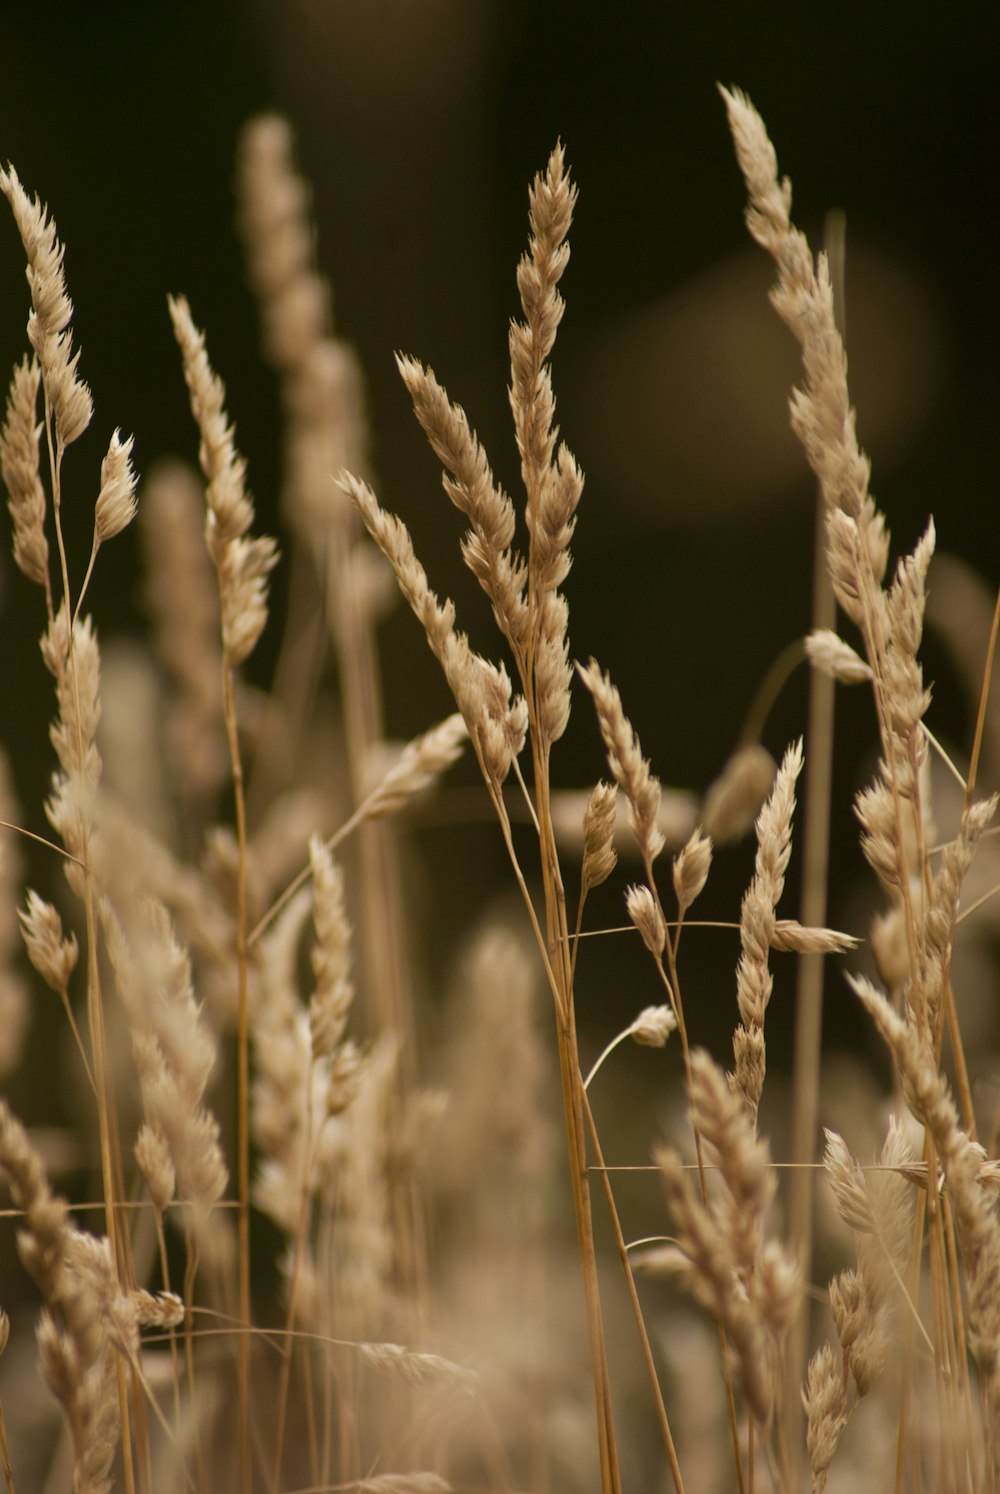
(905, 699)
(821, 412)
(650, 1029)
(599, 855)
(71, 803)
(568, 807)
(647, 918)
(331, 956)
(743, 1160)
(876, 810)
(122, 1313)
(42, 1243)
(884, 1254)
(942, 906)
(469, 483)
(53, 955)
(823, 1399)
(482, 690)
(116, 501)
(833, 657)
(845, 559)
(849, 1307)
(552, 480)
(653, 1026)
(231, 512)
(629, 768)
(552, 673)
(691, 868)
(888, 942)
(847, 1181)
(419, 765)
(790, 935)
(78, 694)
(757, 927)
(67, 396)
(552, 199)
(71, 1338)
(19, 463)
(153, 1159)
(733, 799)
(712, 1279)
(243, 564)
(343, 1078)
(749, 1284)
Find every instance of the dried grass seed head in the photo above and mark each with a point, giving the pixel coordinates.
(52, 954)
(469, 484)
(153, 1159)
(757, 915)
(825, 1404)
(790, 935)
(599, 855)
(653, 1026)
(243, 564)
(230, 510)
(419, 766)
(116, 501)
(48, 324)
(848, 1183)
(691, 868)
(551, 202)
(331, 956)
(19, 463)
(833, 657)
(648, 919)
(497, 723)
(821, 413)
(733, 799)
(629, 768)
(713, 1280)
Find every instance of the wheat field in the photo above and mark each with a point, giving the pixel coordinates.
(296, 1205)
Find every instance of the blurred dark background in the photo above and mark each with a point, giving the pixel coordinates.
(420, 124)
